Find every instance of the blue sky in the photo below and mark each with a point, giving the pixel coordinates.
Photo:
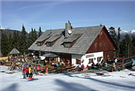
(54, 14)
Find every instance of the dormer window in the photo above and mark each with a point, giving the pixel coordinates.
(67, 45)
(71, 40)
(42, 39)
(39, 44)
(52, 40)
(49, 44)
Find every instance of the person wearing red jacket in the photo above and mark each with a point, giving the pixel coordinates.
(82, 67)
(27, 71)
(24, 72)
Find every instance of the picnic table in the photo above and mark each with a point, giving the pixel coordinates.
(59, 69)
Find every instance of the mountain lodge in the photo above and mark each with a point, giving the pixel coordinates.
(81, 45)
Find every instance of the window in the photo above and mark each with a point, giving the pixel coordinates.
(95, 45)
(90, 61)
(67, 45)
(100, 45)
(49, 44)
(101, 33)
(105, 44)
(78, 61)
(39, 44)
(82, 61)
(71, 40)
(99, 59)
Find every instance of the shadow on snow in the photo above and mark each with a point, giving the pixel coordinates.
(70, 86)
(111, 84)
(12, 87)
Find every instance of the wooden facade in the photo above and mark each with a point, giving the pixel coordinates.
(104, 43)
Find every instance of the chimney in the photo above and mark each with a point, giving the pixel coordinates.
(67, 29)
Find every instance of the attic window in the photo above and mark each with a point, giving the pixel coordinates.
(101, 33)
(71, 40)
(39, 44)
(67, 45)
(95, 45)
(40, 41)
(49, 44)
(52, 40)
(100, 45)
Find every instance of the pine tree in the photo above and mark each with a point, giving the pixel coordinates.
(133, 43)
(118, 41)
(1, 54)
(23, 31)
(40, 32)
(16, 41)
(113, 34)
(23, 42)
(4, 45)
(34, 35)
(126, 46)
(10, 43)
(30, 38)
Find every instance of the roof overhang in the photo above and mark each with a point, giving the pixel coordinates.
(51, 55)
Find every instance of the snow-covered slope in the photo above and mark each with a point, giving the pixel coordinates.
(114, 81)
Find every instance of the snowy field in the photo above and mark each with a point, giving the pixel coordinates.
(110, 81)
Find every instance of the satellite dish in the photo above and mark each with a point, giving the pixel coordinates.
(69, 31)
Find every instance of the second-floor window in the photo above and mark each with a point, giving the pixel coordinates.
(95, 45)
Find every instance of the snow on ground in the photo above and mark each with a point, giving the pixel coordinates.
(111, 81)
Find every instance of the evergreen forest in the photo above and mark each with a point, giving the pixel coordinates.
(19, 40)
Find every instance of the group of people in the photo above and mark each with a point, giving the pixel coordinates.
(29, 71)
(80, 68)
(56, 64)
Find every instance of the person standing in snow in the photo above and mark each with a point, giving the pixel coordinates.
(30, 72)
(27, 71)
(24, 72)
(35, 70)
(116, 60)
(82, 67)
(114, 66)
